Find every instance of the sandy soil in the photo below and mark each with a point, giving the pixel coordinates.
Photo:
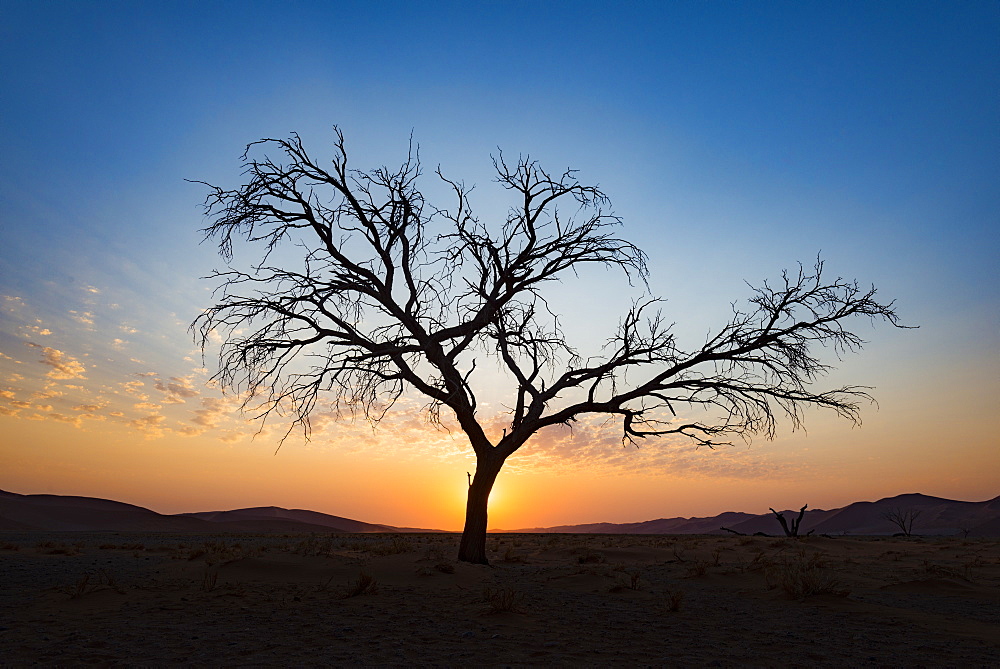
(590, 600)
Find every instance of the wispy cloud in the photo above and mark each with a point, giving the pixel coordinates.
(151, 426)
(36, 330)
(212, 410)
(63, 365)
(83, 317)
(176, 389)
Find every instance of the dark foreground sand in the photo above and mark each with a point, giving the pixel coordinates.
(571, 600)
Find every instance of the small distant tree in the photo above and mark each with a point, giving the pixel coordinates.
(903, 519)
(792, 531)
(388, 293)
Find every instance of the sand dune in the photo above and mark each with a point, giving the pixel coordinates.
(88, 514)
(938, 516)
(279, 515)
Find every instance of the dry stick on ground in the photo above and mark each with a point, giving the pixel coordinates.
(378, 293)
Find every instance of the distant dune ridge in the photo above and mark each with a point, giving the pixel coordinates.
(68, 513)
(937, 516)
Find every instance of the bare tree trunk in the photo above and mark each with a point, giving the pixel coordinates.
(473, 546)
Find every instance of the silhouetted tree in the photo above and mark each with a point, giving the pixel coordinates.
(792, 531)
(390, 293)
(903, 519)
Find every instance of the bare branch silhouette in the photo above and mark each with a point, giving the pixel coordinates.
(792, 531)
(388, 293)
(903, 519)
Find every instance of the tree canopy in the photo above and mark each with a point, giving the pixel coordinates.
(389, 293)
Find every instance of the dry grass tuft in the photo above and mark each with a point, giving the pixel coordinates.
(699, 568)
(803, 578)
(209, 580)
(590, 557)
(314, 545)
(394, 546)
(92, 582)
(502, 600)
(53, 548)
(948, 572)
(511, 557)
(364, 585)
(672, 600)
(630, 579)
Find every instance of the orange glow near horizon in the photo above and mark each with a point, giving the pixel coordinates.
(731, 146)
(174, 474)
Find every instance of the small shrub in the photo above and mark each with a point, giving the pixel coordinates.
(502, 600)
(394, 546)
(92, 582)
(445, 567)
(799, 579)
(314, 546)
(364, 585)
(756, 563)
(672, 600)
(511, 557)
(209, 580)
(699, 568)
(629, 580)
(81, 588)
(946, 572)
(53, 548)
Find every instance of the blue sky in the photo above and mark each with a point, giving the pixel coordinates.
(734, 139)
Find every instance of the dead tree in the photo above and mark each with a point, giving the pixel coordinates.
(792, 531)
(903, 519)
(362, 291)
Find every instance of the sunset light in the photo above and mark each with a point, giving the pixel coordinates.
(732, 145)
(500, 333)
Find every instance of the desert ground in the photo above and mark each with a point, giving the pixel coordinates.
(570, 600)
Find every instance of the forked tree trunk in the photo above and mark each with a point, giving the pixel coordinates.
(473, 545)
